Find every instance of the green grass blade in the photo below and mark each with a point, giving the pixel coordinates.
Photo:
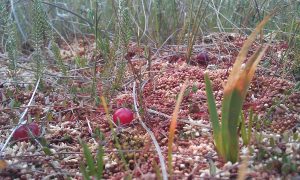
(231, 108)
(213, 114)
(211, 104)
(89, 158)
(250, 123)
(85, 174)
(243, 130)
(234, 96)
(100, 162)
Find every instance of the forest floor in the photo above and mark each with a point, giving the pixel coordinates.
(64, 111)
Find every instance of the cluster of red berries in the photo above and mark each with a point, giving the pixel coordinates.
(122, 116)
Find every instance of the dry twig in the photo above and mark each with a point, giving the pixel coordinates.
(157, 147)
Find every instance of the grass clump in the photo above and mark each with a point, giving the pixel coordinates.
(94, 167)
(226, 135)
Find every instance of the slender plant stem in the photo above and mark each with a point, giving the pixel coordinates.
(157, 147)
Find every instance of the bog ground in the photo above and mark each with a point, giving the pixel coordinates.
(149, 89)
(66, 117)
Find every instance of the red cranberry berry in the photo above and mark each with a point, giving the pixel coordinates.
(202, 58)
(123, 115)
(23, 134)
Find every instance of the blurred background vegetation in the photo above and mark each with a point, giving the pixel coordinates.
(154, 23)
(151, 20)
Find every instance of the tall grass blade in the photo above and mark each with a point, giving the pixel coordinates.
(234, 96)
(213, 114)
(244, 51)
